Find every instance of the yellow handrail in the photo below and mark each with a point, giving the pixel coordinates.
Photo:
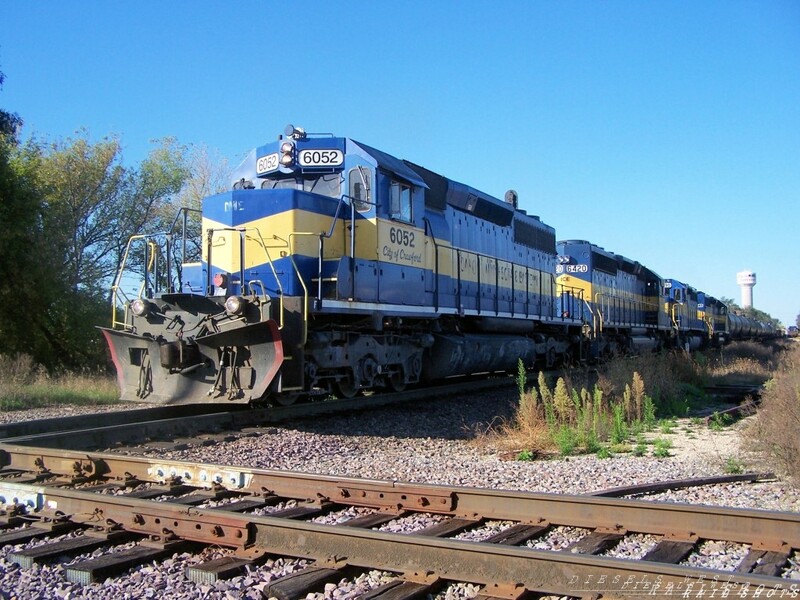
(116, 290)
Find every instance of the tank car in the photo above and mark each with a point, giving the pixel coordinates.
(333, 267)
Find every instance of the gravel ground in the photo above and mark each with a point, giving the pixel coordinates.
(434, 443)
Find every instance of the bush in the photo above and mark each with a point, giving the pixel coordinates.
(777, 421)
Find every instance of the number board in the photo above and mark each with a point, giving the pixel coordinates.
(267, 163)
(320, 158)
(572, 269)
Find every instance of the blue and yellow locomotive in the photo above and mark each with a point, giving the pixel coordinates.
(334, 267)
(617, 298)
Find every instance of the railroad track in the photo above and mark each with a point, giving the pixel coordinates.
(107, 500)
(110, 429)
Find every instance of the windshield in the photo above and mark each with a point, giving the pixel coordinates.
(327, 185)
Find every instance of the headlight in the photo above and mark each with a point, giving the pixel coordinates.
(140, 307)
(235, 305)
(287, 154)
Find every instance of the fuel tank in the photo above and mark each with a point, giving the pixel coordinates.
(477, 353)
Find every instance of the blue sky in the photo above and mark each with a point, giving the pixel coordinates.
(665, 131)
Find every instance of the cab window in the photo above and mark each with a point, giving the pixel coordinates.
(400, 201)
(327, 184)
(361, 189)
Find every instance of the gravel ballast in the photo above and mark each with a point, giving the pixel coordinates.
(424, 443)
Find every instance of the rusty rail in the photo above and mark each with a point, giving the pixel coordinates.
(42, 478)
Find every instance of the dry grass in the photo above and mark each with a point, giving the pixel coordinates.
(743, 363)
(584, 410)
(24, 385)
(774, 430)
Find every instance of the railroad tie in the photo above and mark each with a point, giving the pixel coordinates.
(67, 547)
(400, 590)
(102, 567)
(449, 527)
(763, 562)
(298, 585)
(517, 534)
(594, 543)
(211, 571)
(246, 504)
(670, 551)
(373, 520)
(25, 534)
(302, 511)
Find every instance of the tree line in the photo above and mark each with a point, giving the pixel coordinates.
(67, 210)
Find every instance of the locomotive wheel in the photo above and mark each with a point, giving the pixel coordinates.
(346, 387)
(396, 382)
(285, 399)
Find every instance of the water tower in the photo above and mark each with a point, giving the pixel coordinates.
(746, 281)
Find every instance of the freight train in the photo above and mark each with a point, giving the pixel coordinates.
(332, 267)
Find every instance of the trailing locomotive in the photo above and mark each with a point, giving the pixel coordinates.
(333, 267)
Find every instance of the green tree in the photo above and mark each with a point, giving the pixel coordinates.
(208, 174)
(76, 206)
(95, 204)
(22, 244)
(750, 312)
(23, 268)
(9, 122)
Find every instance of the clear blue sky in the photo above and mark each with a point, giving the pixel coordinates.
(665, 131)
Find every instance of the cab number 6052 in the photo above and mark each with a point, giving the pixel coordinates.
(401, 237)
(320, 158)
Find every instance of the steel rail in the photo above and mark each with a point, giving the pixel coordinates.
(491, 565)
(109, 429)
(767, 530)
(679, 484)
(42, 427)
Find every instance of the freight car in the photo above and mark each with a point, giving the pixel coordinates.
(333, 267)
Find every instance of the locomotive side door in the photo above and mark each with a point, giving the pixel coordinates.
(401, 243)
(357, 277)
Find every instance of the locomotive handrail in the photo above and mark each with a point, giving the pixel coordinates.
(184, 212)
(458, 252)
(322, 236)
(673, 309)
(429, 227)
(117, 291)
(274, 272)
(709, 321)
(633, 308)
(210, 235)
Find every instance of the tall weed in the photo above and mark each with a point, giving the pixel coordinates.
(585, 409)
(774, 431)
